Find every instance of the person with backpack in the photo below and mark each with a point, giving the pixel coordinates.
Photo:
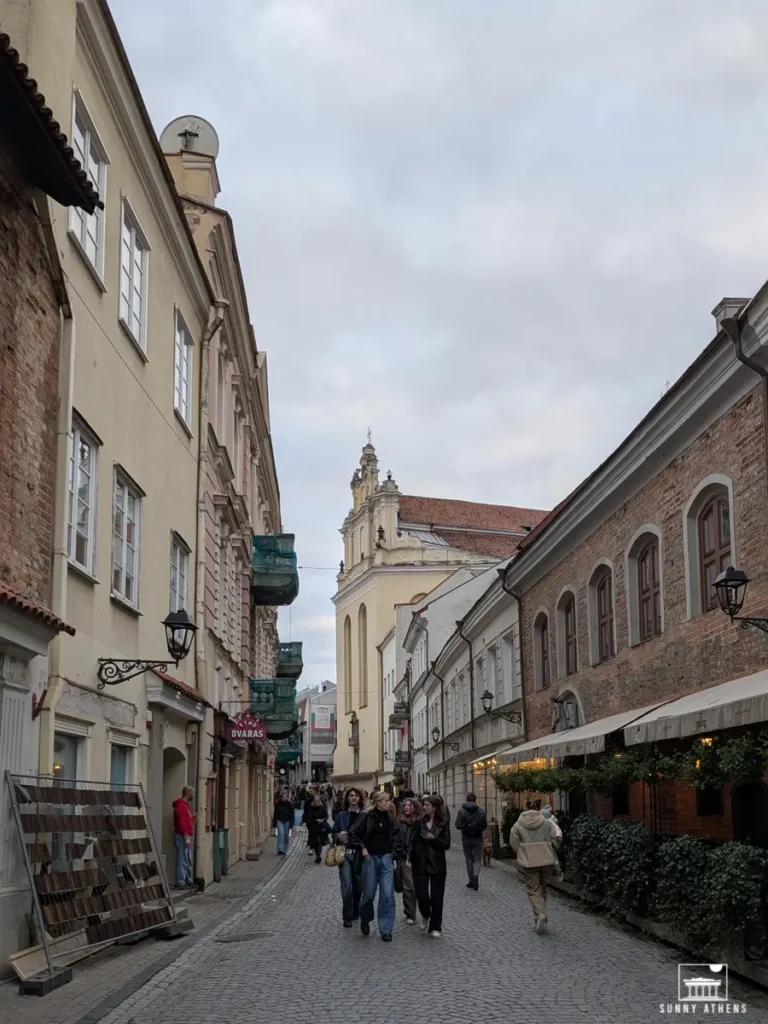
(471, 822)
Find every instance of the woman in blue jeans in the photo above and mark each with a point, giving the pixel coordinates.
(349, 870)
(379, 833)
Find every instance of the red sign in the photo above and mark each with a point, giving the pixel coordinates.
(246, 727)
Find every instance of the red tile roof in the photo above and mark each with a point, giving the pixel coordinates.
(68, 182)
(469, 514)
(496, 545)
(37, 611)
(185, 688)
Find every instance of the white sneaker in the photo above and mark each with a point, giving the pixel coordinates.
(424, 924)
(437, 935)
(541, 925)
(409, 920)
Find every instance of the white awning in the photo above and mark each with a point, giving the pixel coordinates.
(585, 739)
(740, 702)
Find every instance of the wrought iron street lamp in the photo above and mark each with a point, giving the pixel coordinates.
(455, 747)
(731, 589)
(486, 700)
(179, 634)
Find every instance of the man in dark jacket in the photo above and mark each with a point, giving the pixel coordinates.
(282, 820)
(471, 822)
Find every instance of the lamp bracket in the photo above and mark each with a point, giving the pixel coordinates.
(112, 671)
(746, 622)
(515, 717)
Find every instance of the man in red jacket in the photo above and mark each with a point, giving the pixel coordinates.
(183, 830)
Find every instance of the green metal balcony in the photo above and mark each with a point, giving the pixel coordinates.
(275, 574)
(288, 748)
(274, 701)
(289, 660)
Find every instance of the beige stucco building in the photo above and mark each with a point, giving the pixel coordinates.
(397, 548)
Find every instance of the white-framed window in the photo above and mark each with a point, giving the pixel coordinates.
(88, 229)
(120, 765)
(179, 573)
(182, 370)
(125, 540)
(496, 674)
(134, 257)
(81, 533)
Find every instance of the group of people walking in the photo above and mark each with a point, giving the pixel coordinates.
(399, 846)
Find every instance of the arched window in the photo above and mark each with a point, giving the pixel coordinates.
(602, 634)
(714, 547)
(362, 654)
(709, 541)
(347, 653)
(649, 590)
(541, 657)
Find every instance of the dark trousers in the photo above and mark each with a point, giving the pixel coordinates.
(430, 893)
(349, 880)
(473, 855)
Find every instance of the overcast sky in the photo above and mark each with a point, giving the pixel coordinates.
(489, 229)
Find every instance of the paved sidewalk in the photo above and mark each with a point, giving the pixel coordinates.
(111, 975)
(489, 968)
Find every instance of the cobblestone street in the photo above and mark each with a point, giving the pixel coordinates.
(283, 957)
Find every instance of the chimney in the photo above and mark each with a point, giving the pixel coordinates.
(727, 308)
(191, 145)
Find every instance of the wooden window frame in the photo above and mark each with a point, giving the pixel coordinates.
(719, 556)
(545, 662)
(604, 621)
(570, 637)
(650, 594)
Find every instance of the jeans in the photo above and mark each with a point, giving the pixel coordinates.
(473, 855)
(283, 836)
(430, 890)
(183, 860)
(378, 873)
(349, 880)
(409, 891)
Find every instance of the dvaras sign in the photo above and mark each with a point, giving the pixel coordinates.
(246, 727)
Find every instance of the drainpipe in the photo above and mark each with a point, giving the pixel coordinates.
(205, 734)
(468, 642)
(60, 552)
(442, 709)
(507, 590)
(735, 329)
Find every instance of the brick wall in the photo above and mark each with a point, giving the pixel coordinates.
(689, 654)
(29, 367)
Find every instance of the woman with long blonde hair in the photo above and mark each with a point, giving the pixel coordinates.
(379, 835)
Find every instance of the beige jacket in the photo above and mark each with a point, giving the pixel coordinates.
(539, 835)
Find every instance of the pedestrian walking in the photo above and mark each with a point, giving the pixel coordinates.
(410, 820)
(471, 822)
(535, 840)
(183, 831)
(350, 869)
(379, 835)
(283, 817)
(317, 824)
(427, 858)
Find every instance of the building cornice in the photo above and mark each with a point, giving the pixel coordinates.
(704, 394)
(387, 570)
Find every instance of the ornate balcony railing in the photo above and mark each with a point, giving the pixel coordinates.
(289, 660)
(275, 575)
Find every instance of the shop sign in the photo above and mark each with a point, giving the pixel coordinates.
(246, 727)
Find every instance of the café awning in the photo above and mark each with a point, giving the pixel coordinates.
(727, 706)
(585, 739)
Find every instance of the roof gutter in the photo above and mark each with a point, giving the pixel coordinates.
(735, 328)
(468, 642)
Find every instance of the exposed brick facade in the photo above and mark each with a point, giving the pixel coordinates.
(689, 654)
(29, 367)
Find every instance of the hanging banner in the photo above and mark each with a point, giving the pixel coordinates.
(323, 725)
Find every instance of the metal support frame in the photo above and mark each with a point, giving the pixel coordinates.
(112, 671)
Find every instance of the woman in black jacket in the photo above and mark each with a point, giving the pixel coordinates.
(427, 859)
(316, 817)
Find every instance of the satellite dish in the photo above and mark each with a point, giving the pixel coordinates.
(190, 134)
